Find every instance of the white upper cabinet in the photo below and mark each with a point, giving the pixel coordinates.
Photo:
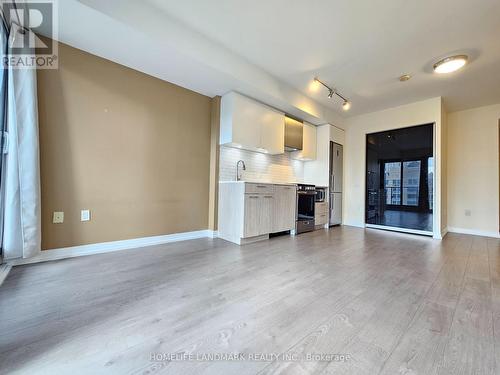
(272, 132)
(308, 151)
(248, 124)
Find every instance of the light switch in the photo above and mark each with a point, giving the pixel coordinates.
(85, 215)
(58, 217)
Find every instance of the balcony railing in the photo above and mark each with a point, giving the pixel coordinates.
(392, 195)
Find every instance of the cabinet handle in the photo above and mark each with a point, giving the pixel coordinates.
(254, 196)
(261, 186)
(268, 196)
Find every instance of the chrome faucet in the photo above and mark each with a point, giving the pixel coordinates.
(238, 176)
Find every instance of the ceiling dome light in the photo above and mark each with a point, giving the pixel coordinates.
(346, 106)
(450, 64)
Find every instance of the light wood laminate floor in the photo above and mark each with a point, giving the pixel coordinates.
(392, 303)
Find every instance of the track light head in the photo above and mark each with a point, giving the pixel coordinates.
(331, 92)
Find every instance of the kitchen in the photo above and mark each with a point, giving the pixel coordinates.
(277, 174)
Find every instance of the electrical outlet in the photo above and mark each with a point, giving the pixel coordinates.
(468, 212)
(58, 217)
(85, 215)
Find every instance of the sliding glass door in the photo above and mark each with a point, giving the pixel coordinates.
(400, 178)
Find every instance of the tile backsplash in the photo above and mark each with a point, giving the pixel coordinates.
(260, 167)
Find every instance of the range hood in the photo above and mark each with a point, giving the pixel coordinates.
(294, 132)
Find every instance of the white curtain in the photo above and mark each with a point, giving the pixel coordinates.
(22, 216)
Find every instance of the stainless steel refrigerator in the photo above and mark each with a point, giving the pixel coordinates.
(335, 188)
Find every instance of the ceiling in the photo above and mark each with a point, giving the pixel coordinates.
(359, 47)
(271, 50)
(138, 35)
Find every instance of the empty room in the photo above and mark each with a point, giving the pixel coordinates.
(235, 187)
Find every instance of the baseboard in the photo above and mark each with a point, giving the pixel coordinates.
(354, 224)
(212, 234)
(474, 232)
(4, 271)
(107, 247)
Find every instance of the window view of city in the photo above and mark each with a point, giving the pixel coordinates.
(411, 182)
(392, 183)
(402, 183)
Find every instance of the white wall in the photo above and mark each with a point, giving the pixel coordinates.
(260, 167)
(473, 170)
(419, 113)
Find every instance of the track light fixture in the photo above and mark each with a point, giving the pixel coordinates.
(346, 105)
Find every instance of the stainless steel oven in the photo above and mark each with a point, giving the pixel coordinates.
(306, 197)
(320, 194)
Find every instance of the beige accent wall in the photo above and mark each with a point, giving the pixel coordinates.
(133, 149)
(473, 170)
(214, 164)
(419, 113)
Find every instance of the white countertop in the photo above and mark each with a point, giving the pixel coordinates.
(258, 182)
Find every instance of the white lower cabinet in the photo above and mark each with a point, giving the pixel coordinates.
(249, 212)
(266, 214)
(258, 211)
(321, 213)
(284, 208)
(321, 219)
(251, 220)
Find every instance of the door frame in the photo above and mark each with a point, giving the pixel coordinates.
(435, 228)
